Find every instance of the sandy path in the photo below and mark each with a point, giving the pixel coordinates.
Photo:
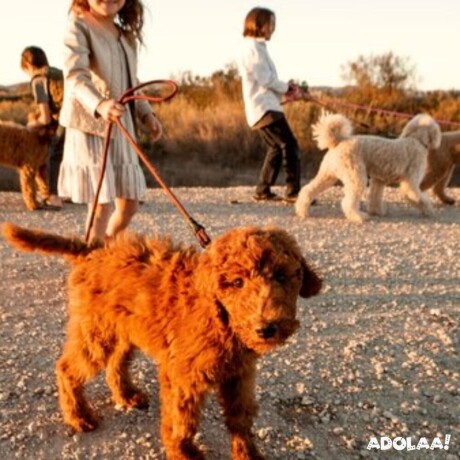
(377, 354)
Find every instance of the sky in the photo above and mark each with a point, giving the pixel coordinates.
(313, 41)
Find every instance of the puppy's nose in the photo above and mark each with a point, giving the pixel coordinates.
(268, 331)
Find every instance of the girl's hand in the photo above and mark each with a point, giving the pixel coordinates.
(110, 109)
(294, 93)
(153, 126)
(293, 88)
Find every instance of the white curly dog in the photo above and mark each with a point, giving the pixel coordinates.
(353, 159)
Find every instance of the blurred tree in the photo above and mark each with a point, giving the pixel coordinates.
(387, 72)
(383, 81)
(227, 83)
(223, 85)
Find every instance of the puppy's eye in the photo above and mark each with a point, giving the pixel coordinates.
(238, 283)
(280, 276)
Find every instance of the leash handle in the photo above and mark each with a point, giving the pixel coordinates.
(126, 97)
(130, 95)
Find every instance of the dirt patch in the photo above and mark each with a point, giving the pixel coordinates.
(377, 353)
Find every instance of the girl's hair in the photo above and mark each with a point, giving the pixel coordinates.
(257, 22)
(34, 56)
(130, 18)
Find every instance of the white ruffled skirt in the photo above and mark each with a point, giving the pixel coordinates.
(82, 163)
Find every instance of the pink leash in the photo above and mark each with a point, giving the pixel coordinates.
(382, 111)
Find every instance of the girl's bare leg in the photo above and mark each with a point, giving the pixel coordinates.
(122, 215)
(101, 220)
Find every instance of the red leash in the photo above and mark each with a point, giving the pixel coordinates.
(385, 111)
(129, 95)
(305, 96)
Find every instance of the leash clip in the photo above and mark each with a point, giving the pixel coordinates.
(200, 233)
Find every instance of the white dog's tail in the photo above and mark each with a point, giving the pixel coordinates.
(331, 129)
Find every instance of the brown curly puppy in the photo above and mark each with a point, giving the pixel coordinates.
(204, 317)
(441, 165)
(27, 151)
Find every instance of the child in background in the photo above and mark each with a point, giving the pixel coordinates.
(47, 90)
(262, 95)
(100, 65)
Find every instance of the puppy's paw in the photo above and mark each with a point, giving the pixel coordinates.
(245, 450)
(136, 400)
(187, 450)
(82, 424)
(34, 206)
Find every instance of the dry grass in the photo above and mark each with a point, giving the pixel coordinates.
(15, 110)
(207, 126)
(206, 134)
(217, 132)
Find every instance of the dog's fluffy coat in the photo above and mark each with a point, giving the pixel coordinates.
(353, 159)
(204, 317)
(441, 165)
(26, 150)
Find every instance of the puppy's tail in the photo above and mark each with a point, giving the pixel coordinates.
(331, 129)
(46, 243)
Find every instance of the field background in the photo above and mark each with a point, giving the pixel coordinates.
(208, 143)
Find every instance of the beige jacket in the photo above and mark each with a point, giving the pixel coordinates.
(88, 77)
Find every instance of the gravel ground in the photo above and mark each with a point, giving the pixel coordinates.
(377, 353)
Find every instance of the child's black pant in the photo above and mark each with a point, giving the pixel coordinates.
(282, 150)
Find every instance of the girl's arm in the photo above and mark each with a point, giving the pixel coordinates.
(263, 72)
(77, 67)
(42, 117)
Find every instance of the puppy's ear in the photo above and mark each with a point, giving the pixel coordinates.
(311, 282)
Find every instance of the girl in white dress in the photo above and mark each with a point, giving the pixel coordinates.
(100, 65)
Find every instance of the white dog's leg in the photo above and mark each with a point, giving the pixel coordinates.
(376, 206)
(413, 193)
(350, 207)
(302, 204)
(310, 191)
(354, 183)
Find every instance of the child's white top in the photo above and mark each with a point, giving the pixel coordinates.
(262, 90)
